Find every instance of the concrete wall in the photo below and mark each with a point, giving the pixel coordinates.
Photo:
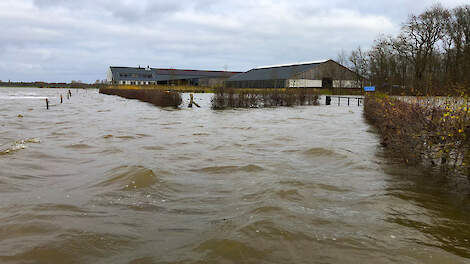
(109, 76)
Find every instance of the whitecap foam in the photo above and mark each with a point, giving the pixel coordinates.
(19, 145)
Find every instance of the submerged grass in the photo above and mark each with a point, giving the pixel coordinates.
(153, 96)
(427, 130)
(249, 98)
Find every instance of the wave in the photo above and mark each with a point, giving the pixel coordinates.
(201, 134)
(153, 148)
(267, 210)
(232, 251)
(78, 146)
(290, 195)
(111, 150)
(59, 245)
(19, 145)
(322, 152)
(23, 97)
(230, 169)
(258, 195)
(142, 135)
(129, 178)
(274, 231)
(125, 137)
(295, 183)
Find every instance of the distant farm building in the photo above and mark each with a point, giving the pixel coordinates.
(152, 76)
(316, 74)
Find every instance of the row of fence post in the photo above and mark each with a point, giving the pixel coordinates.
(69, 95)
(328, 100)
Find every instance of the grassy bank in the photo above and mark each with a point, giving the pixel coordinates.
(247, 98)
(430, 131)
(153, 96)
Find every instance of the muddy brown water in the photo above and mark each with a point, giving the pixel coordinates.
(102, 179)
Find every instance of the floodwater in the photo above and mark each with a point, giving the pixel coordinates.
(102, 179)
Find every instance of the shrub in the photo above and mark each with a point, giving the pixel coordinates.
(155, 97)
(429, 130)
(247, 98)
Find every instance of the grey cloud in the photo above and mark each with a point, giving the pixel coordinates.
(127, 10)
(61, 40)
(144, 11)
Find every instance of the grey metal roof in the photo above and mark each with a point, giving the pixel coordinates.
(281, 72)
(153, 74)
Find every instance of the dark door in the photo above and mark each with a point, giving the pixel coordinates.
(327, 83)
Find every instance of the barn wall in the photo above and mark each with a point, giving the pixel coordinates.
(257, 84)
(346, 84)
(304, 83)
(324, 75)
(212, 82)
(329, 69)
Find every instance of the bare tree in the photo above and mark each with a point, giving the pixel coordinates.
(340, 74)
(359, 64)
(419, 38)
(431, 51)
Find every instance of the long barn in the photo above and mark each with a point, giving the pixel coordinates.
(316, 74)
(152, 76)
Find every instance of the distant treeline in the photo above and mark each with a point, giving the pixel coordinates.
(50, 85)
(430, 56)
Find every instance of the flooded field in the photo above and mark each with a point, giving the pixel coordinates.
(102, 179)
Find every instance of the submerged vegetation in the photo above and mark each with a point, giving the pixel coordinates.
(254, 98)
(430, 131)
(153, 96)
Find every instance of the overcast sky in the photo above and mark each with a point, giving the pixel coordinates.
(64, 40)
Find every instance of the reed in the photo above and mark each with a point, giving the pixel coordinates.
(153, 96)
(427, 130)
(254, 98)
